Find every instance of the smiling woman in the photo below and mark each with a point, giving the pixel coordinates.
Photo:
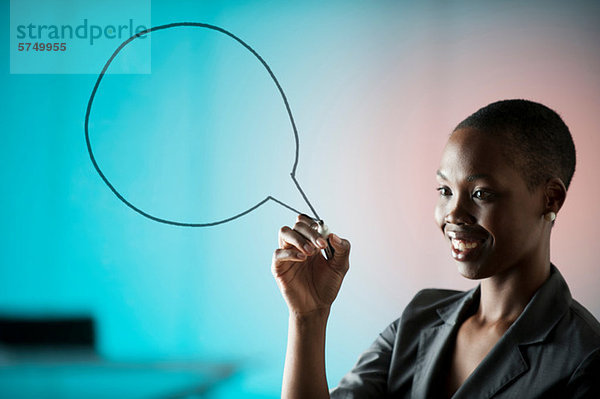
(503, 178)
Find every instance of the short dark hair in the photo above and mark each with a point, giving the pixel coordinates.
(537, 140)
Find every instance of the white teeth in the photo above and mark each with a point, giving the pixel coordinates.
(462, 245)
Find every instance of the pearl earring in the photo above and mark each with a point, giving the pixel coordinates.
(550, 216)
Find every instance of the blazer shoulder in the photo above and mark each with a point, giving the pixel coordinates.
(436, 297)
(430, 299)
(587, 321)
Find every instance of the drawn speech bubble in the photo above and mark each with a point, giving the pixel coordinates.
(279, 88)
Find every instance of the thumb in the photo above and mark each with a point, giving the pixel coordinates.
(341, 248)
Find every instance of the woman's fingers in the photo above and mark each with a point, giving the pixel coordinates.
(341, 246)
(304, 236)
(342, 250)
(289, 238)
(310, 233)
(309, 228)
(302, 218)
(288, 254)
(282, 258)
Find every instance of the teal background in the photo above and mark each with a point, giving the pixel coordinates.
(375, 88)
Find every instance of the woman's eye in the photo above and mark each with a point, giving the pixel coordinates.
(482, 195)
(444, 191)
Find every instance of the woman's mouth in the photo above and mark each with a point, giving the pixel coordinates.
(461, 249)
(465, 248)
(462, 245)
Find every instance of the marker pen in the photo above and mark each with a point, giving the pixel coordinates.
(324, 232)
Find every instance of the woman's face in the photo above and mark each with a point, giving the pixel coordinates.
(492, 222)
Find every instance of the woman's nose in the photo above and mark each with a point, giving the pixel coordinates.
(457, 212)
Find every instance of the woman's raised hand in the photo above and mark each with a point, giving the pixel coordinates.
(307, 280)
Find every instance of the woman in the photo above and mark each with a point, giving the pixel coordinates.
(503, 179)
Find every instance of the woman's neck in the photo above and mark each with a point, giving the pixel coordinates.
(504, 296)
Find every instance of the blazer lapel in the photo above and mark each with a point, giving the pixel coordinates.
(501, 366)
(506, 363)
(433, 343)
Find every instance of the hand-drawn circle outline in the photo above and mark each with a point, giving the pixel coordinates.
(283, 96)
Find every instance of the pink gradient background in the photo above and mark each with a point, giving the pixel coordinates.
(390, 134)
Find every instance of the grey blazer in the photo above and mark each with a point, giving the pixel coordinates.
(551, 351)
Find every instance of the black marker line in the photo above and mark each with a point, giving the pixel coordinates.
(285, 205)
(283, 96)
(304, 196)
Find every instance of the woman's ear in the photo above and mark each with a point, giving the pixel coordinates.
(555, 194)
